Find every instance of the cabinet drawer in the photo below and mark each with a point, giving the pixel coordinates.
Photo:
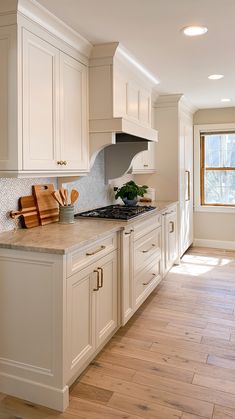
(88, 254)
(145, 226)
(147, 280)
(146, 247)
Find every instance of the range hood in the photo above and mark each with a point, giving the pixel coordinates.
(120, 107)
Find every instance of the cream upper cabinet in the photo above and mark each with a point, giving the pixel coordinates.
(145, 161)
(40, 103)
(54, 108)
(73, 114)
(44, 95)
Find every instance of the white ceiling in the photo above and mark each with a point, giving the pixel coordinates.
(150, 30)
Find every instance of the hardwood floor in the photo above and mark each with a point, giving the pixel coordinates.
(174, 359)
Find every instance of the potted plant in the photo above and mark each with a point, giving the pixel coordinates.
(129, 192)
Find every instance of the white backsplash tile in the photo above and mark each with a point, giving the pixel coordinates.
(93, 192)
(92, 189)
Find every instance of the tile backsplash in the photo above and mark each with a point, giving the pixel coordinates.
(11, 190)
(92, 189)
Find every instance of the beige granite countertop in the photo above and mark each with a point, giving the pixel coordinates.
(64, 238)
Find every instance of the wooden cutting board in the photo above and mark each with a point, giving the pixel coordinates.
(48, 209)
(28, 211)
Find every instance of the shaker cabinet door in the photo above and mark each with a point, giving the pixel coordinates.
(107, 298)
(73, 114)
(80, 319)
(40, 103)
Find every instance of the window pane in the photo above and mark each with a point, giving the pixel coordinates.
(219, 187)
(220, 150)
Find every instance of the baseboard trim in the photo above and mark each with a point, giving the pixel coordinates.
(217, 244)
(37, 393)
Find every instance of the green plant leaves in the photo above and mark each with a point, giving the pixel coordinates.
(130, 190)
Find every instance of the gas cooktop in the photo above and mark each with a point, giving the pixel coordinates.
(117, 212)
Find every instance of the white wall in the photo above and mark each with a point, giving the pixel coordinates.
(214, 229)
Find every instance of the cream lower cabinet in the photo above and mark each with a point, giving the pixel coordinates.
(56, 313)
(92, 310)
(170, 233)
(141, 259)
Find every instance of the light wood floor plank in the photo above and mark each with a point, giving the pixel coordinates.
(223, 413)
(149, 394)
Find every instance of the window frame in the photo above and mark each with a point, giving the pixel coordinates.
(199, 203)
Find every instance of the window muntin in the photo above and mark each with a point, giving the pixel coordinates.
(217, 168)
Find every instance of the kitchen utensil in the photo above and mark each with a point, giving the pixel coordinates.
(46, 204)
(66, 197)
(74, 196)
(62, 194)
(28, 211)
(56, 195)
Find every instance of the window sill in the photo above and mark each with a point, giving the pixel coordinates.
(212, 208)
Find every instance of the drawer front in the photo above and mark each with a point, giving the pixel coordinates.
(146, 247)
(86, 255)
(145, 226)
(146, 281)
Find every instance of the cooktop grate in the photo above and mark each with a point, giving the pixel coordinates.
(117, 212)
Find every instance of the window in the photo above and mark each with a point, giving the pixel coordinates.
(217, 168)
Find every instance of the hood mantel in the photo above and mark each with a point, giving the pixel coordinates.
(120, 101)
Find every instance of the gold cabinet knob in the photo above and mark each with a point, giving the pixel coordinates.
(64, 162)
(60, 162)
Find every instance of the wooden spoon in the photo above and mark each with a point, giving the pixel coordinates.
(74, 196)
(57, 197)
(66, 197)
(62, 194)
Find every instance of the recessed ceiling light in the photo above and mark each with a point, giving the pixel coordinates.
(194, 30)
(225, 100)
(215, 76)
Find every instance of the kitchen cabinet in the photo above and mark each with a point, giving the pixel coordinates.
(120, 103)
(92, 297)
(170, 232)
(141, 258)
(57, 312)
(174, 159)
(145, 162)
(46, 82)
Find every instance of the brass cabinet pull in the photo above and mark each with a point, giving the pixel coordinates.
(172, 224)
(148, 250)
(150, 280)
(129, 232)
(62, 162)
(102, 277)
(168, 212)
(95, 251)
(97, 280)
(146, 165)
